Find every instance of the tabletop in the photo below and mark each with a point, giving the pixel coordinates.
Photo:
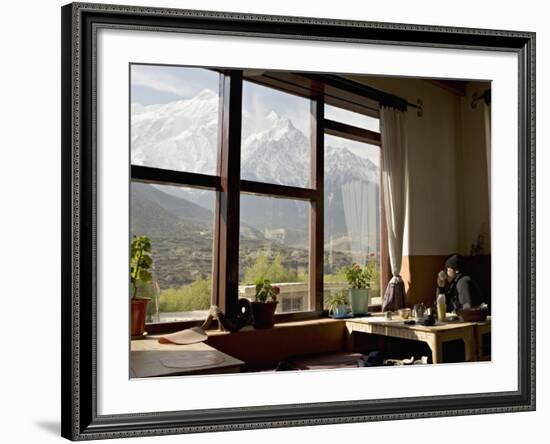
(397, 321)
(150, 358)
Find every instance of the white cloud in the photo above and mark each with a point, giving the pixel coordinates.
(159, 79)
(183, 82)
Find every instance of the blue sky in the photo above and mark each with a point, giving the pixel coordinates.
(156, 84)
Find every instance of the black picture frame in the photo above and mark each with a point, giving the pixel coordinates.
(80, 420)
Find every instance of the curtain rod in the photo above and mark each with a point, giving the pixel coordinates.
(382, 97)
(354, 102)
(351, 86)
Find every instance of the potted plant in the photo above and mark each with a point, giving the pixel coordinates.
(359, 278)
(140, 274)
(338, 304)
(264, 304)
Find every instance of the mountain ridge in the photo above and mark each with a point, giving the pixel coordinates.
(182, 135)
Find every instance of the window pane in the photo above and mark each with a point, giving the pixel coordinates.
(352, 210)
(352, 118)
(174, 118)
(274, 245)
(275, 137)
(181, 234)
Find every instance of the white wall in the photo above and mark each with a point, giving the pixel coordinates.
(30, 220)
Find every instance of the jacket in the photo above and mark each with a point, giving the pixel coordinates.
(463, 292)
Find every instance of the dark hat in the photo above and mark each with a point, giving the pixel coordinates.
(454, 261)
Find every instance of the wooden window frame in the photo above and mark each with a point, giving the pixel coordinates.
(345, 131)
(229, 186)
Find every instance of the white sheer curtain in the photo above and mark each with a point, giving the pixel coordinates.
(394, 181)
(360, 200)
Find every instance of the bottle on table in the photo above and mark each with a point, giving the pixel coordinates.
(441, 308)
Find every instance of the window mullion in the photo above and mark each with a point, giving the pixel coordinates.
(351, 132)
(146, 174)
(226, 268)
(316, 219)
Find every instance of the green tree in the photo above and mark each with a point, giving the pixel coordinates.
(264, 269)
(339, 276)
(194, 296)
(258, 270)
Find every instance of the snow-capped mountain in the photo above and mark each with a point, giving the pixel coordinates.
(342, 166)
(180, 135)
(183, 136)
(278, 154)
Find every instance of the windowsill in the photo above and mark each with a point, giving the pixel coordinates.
(279, 325)
(294, 323)
(282, 319)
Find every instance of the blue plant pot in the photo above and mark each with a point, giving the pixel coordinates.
(340, 311)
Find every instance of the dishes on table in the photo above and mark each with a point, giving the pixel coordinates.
(405, 313)
(418, 312)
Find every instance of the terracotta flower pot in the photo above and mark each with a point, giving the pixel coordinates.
(263, 313)
(138, 314)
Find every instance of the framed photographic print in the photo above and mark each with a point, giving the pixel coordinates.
(280, 221)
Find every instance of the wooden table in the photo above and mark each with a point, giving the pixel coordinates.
(482, 329)
(434, 336)
(149, 358)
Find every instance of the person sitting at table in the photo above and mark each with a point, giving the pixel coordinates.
(460, 290)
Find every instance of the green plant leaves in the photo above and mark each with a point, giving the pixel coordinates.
(360, 277)
(146, 262)
(145, 276)
(338, 298)
(140, 261)
(265, 291)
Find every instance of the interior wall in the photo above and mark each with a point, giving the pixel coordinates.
(448, 195)
(431, 226)
(474, 184)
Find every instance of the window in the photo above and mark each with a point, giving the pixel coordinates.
(174, 115)
(274, 228)
(275, 136)
(174, 150)
(181, 234)
(352, 118)
(218, 161)
(352, 210)
(274, 245)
